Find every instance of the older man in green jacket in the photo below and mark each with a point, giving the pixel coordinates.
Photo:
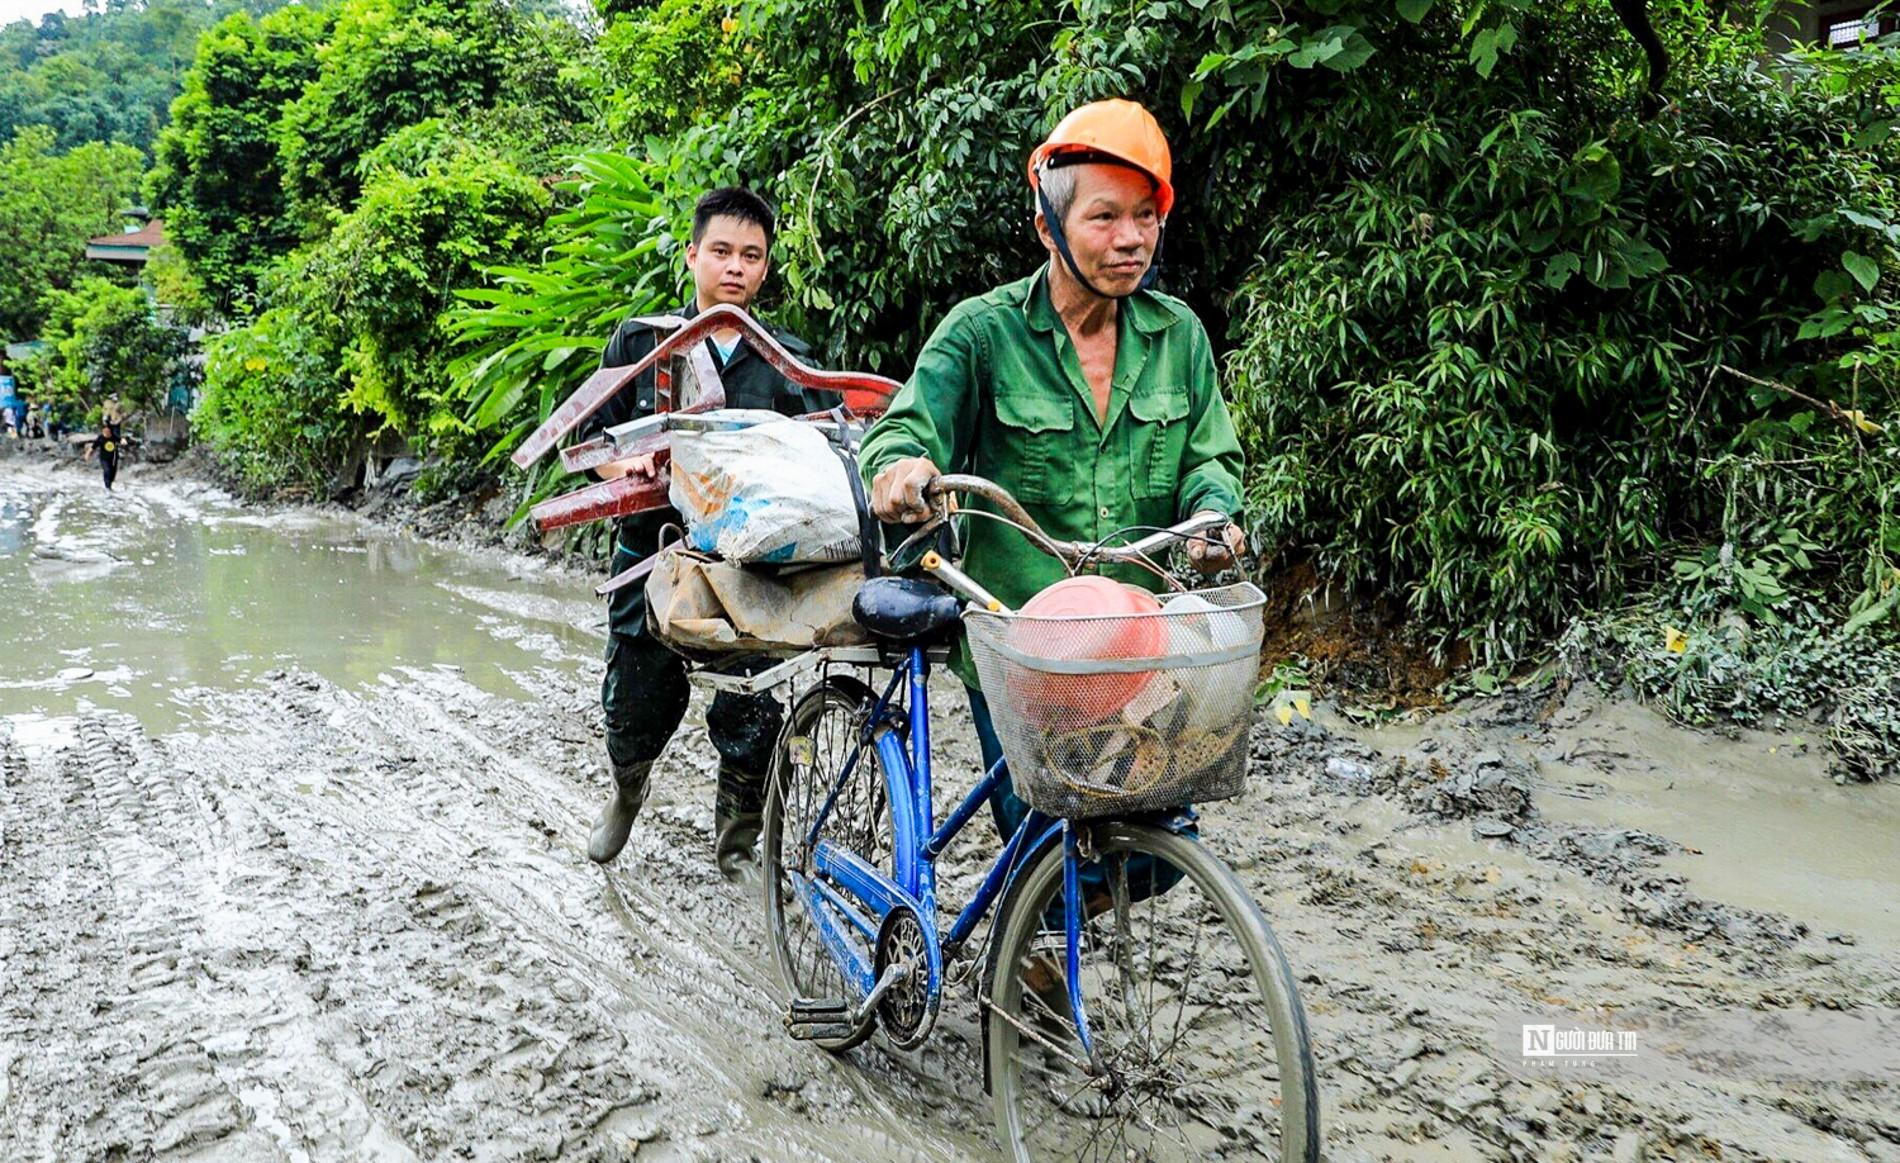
(1088, 396)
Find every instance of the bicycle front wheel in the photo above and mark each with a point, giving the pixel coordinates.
(1200, 1044)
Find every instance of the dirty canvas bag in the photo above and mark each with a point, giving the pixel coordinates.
(705, 609)
(768, 489)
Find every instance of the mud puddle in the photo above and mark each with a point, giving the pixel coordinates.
(121, 599)
(297, 872)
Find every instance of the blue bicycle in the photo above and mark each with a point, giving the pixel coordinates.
(1135, 1003)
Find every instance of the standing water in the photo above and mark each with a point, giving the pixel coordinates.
(122, 599)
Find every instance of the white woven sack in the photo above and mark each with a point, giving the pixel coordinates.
(770, 492)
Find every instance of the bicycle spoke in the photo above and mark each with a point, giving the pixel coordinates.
(1179, 1015)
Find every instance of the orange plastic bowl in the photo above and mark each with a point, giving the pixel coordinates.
(1083, 619)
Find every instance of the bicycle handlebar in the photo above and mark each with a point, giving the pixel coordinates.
(1071, 552)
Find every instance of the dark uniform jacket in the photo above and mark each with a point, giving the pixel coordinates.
(750, 382)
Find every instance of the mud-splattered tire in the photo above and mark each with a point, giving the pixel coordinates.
(823, 727)
(1190, 1001)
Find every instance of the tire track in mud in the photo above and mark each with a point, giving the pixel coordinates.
(656, 1028)
(106, 1067)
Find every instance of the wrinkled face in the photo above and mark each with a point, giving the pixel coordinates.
(1113, 227)
(728, 261)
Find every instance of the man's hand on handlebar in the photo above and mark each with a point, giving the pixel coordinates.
(1219, 549)
(897, 495)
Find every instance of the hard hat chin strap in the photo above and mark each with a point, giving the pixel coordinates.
(1054, 222)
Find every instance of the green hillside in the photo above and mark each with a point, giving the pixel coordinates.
(108, 75)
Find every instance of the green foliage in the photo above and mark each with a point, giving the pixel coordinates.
(103, 339)
(387, 65)
(177, 287)
(529, 338)
(106, 75)
(217, 178)
(676, 64)
(50, 203)
(350, 341)
(269, 409)
(386, 273)
(1481, 365)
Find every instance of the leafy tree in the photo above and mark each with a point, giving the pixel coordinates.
(217, 179)
(49, 205)
(530, 337)
(387, 272)
(103, 339)
(388, 64)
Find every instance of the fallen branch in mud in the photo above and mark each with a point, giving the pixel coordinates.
(1853, 418)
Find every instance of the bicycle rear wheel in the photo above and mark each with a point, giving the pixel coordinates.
(819, 736)
(1201, 1044)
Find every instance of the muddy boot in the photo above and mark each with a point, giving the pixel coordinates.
(616, 819)
(737, 816)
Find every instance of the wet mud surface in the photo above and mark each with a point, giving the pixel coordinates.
(288, 880)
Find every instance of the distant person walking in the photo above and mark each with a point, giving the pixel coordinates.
(108, 443)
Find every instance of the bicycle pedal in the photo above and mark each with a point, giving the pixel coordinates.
(819, 1018)
(820, 1009)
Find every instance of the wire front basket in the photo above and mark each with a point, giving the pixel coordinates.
(1117, 715)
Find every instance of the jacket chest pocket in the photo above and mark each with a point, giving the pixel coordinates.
(1157, 442)
(1033, 452)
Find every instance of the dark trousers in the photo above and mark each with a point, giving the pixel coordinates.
(644, 692)
(109, 465)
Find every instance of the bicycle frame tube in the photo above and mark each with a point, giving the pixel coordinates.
(1003, 872)
(922, 882)
(849, 898)
(1072, 931)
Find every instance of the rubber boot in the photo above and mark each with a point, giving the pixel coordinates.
(738, 813)
(616, 819)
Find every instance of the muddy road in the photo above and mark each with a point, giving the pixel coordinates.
(292, 820)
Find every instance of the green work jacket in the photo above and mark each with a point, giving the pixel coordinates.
(998, 392)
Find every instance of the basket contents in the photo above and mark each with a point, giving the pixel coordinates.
(1110, 703)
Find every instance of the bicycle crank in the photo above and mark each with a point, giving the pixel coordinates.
(908, 1008)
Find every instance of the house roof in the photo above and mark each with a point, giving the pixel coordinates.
(130, 246)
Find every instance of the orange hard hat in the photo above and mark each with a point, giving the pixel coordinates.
(1122, 130)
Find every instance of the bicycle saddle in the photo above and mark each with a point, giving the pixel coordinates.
(904, 609)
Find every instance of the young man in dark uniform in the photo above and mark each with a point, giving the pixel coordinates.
(644, 693)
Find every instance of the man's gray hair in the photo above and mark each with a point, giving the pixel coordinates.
(1058, 185)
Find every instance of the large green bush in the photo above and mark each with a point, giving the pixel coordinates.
(104, 339)
(269, 409)
(1483, 364)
